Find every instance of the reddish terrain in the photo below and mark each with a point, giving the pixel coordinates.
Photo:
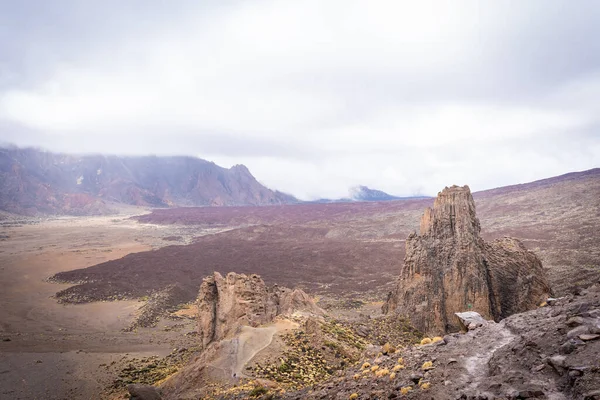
(352, 247)
(298, 256)
(36, 182)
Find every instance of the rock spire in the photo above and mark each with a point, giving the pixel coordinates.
(449, 268)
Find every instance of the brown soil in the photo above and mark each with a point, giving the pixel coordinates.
(63, 351)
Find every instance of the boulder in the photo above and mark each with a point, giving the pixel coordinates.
(143, 392)
(449, 268)
(227, 303)
(470, 320)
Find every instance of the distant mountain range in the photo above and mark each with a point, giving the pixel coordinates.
(34, 182)
(363, 193)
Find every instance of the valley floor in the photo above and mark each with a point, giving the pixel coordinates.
(58, 351)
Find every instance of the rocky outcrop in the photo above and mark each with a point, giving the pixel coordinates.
(517, 277)
(143, 392)
(449, 268)
(470, 320)
(227, 303)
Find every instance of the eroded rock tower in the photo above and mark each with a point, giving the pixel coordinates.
(449, 268)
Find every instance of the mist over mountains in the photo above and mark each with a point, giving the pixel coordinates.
(34, 181)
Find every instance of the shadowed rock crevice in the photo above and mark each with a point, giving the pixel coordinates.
(449, 268)
(492, 298)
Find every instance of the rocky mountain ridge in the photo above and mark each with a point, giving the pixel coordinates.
(38, 182)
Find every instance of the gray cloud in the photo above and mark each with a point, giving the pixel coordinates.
(312, 96)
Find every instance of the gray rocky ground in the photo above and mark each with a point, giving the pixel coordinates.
(549, 353)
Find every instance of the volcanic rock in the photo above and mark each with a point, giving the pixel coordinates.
(449, 268)
(158, 305)
(227, 303)
(470, 320)
(143, 392)
(589, 337)
(515, 358)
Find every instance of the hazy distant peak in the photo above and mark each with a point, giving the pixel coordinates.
(363, 193)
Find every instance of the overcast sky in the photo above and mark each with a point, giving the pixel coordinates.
(313, 96)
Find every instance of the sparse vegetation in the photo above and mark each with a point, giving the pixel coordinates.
(425, 341)
(258, 391)
(427, 365)
(404, 390)
(152, 370)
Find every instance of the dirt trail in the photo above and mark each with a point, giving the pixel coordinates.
(249, 343)
(253, 340)
(235, 354)
(476, 364)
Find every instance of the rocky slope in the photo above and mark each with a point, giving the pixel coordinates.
(236, 321)
(38, 182)
(449, 268)
(547, 353)
(557, 218)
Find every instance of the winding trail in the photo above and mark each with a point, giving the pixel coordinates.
(233, 356)
(250, 342)
(253, 340)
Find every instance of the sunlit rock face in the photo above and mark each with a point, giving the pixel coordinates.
(227, 303)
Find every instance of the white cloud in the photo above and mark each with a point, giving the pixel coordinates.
(402, 96)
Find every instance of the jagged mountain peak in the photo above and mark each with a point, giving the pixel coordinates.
(241, 168)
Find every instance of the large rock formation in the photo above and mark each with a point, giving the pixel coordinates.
(449, 268)
(227, 303)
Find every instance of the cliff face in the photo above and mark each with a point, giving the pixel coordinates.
(518, 278)
(227, 303)
(37, 182)
(448, 268)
